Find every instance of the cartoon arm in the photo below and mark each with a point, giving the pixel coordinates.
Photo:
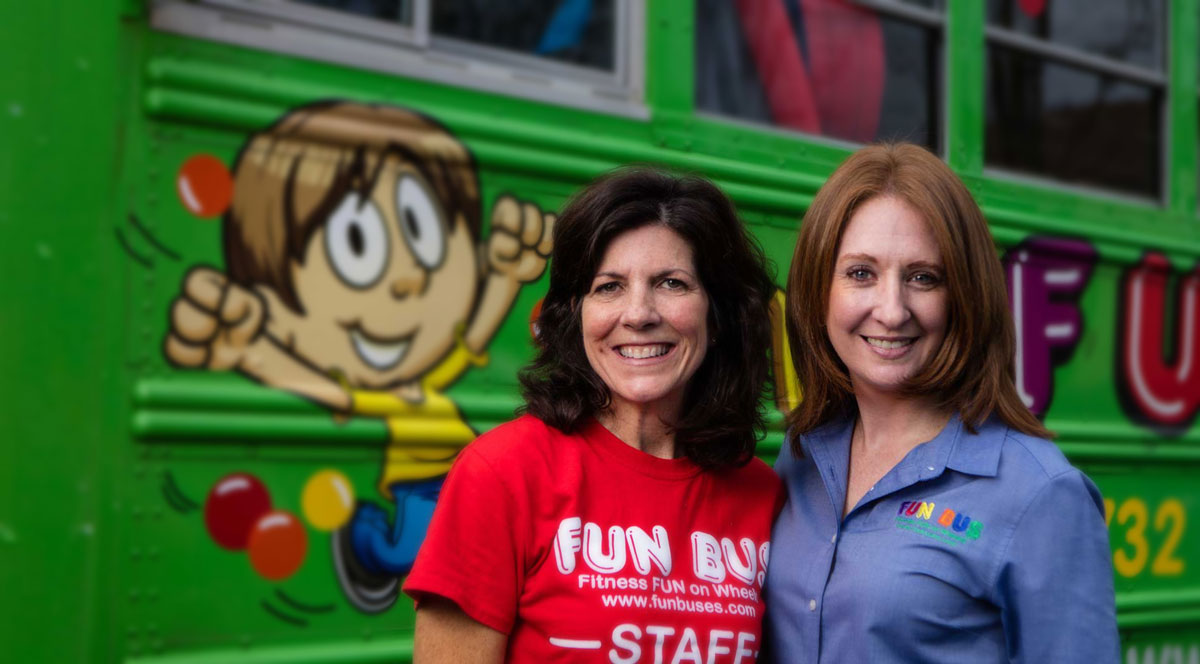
(219, 325)
(516, 254)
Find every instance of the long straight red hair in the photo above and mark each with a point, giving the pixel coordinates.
(972, 371)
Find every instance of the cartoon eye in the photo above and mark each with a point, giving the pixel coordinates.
(356, 241)
(421, 221)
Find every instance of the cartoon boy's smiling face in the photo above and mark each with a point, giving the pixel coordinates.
(385, 283)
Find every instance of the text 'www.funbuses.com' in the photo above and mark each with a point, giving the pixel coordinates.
(678, 604)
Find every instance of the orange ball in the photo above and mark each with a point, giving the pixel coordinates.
(534, 326)
(278, 544)
(204, 186)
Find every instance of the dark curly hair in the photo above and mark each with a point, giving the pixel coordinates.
(722, 415)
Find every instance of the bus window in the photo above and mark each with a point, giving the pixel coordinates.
(583, 53)
(857, 72)
(399, 11)
(575, 32)
(1075, 91)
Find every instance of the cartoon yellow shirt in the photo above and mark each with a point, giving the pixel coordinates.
(425, 437)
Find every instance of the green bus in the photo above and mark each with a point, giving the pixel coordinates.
(225, 412)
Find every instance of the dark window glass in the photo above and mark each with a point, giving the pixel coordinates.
(1130, 31)
(1071, 123)
(847, 72)
(727, 80)
(579, 32)
(398, 11)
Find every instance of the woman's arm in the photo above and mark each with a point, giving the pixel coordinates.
(468, 576)
(1055, 582)
(444, 634)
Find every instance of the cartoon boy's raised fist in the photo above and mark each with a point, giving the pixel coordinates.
(520, 240)
(213, 322)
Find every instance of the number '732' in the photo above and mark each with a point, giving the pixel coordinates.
(1132, 550)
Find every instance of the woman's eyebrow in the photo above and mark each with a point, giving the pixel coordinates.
(673, 270)
(926, 264)
(866, 258)
(609, 274)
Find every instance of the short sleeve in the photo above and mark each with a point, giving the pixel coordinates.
(471, 554)
(1054, 582)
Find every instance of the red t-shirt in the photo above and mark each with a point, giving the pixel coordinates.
(582, 548)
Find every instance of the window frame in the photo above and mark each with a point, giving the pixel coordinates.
(936, 19)
(413, 50)
(1091, 63)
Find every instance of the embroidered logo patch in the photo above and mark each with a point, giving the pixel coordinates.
(951, 527)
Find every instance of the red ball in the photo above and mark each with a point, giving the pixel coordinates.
(278, 544)
(204, 185)
(235, 503)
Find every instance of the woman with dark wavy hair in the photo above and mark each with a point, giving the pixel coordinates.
(623, 515)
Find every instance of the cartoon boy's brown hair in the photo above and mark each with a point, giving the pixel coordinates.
(292, 175)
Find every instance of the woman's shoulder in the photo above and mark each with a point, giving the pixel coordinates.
(525, 429)
(754, 482)
(524, 438)
(1032, 455)
(1033, 468)
(527, 449)
(826, 434)
(757, 471)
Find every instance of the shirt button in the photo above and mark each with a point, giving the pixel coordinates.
(833, 539)
(929, 467)
(812, 605)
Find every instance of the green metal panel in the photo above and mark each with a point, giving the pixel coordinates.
(1181, 114)
(111, 451)
(964, 73)
(669, 45)
(65, 385)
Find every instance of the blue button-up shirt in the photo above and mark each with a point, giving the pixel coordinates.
(986, 547)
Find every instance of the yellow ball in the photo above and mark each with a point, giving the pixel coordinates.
(328, 500)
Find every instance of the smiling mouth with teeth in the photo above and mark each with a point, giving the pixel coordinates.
(643, 352)
(378, 353)
(888, 345)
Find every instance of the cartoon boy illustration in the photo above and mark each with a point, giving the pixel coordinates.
(355, 278)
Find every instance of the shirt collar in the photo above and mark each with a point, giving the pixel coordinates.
(977, 453)
(958, 449)
(829, 448)
(954, 448)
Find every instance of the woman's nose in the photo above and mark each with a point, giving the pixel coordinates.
(640, 310)
(891, 309)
